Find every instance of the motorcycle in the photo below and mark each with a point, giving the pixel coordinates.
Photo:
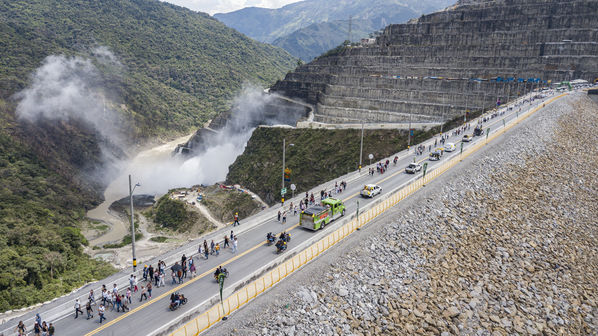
(285, 237)
(217, 274)
(177, 300)
(281, 246)
(271, 238)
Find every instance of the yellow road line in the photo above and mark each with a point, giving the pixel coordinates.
(108, 324)
(112, 322)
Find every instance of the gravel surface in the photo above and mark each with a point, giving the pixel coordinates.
(503, 244)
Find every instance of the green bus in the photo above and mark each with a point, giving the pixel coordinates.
(318, 216)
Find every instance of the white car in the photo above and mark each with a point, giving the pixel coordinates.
(449, 147)
(413, 168)
(371, 190)
(467, 138)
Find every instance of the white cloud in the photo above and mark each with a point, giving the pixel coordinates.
(224, 6)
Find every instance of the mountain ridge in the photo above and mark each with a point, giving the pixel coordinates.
(282, 26)
(160, 70)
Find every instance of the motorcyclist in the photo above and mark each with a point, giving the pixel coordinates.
(217, 272)
(175, 300)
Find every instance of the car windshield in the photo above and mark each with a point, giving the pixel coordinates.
(411, 165)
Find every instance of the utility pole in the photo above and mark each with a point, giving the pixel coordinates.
(442, 117)
(361, 148)
(284, 142)
(284, 147)
(409, 139)
(350, 30)
(131, 189)
(465, 117)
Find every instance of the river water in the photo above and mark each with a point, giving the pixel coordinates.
(148, 166)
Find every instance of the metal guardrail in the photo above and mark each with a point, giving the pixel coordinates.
(274, 276)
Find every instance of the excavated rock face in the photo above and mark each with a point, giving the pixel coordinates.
(438, 55)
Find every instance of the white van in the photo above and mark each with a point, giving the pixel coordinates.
(449, 147)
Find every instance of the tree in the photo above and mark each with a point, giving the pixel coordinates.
(55, 260)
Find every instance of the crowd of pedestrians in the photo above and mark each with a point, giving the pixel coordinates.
(40, 328)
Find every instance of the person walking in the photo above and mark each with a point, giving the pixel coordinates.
(38, 318)
(235, 242)
(128, 295)
(78, 308)
(131, 280)
(143, 294)
(51, 330)
(217, 249)
(149, 290)
(91, 298)
(44, 329)
(225, 242)
(101, 311)
(123, 301)
(21, 329)
(104, 296)
(150, 272)
(279, 215)
(284, 217)
(231, 235)
(236, 218)
(145, 270)
(179, 274)
(118, 300)
(192, 269)
(212, 246)
(162, 276)
(135, 288)
(37, 329)
(89, 310)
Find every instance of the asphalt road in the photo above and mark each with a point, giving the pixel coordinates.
(149, 317)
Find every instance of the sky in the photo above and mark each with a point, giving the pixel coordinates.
(223, 6)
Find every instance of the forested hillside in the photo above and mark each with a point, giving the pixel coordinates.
(308, 28)
(162, 70)
(179, 67)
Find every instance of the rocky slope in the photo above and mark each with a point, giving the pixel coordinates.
(442, 64)
(503, 244)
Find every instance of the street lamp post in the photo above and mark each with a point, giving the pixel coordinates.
(409, 139)
(284, 147)
(361, 148)
(131, 189)
(442, 116)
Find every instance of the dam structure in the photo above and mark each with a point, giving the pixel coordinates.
(471, 56)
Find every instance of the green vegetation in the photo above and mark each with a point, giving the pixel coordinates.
(317, 155)
(159, 239)
(180, 67)
(339, 49)
(173, 214)
(126, 241)
(41, 247)
(308, 28)
(224, 203)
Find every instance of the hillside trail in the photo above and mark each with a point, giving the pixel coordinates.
(118, 189)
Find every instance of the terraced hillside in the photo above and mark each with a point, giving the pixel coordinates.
(440, 65)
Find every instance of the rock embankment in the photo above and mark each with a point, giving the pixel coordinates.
(505, 243)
